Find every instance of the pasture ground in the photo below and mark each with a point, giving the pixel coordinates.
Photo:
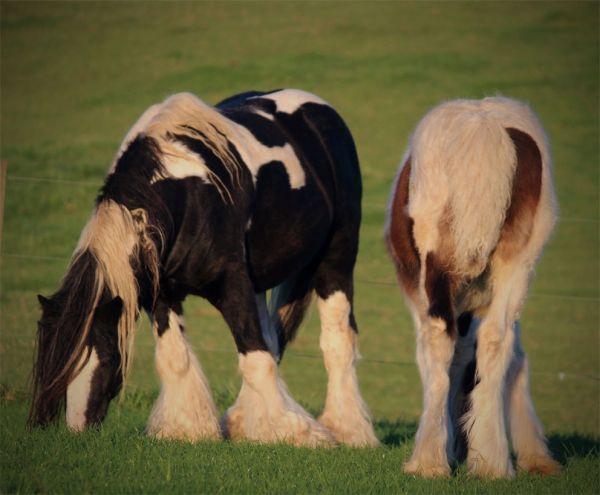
(75, 76)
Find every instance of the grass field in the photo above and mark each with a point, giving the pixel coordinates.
(75, 76)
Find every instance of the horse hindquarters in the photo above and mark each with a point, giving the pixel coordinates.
(473, 213)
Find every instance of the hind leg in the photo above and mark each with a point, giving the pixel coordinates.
(436, 334)
(184, 408)
(434, 355)
(264, 410)
(484, 423)
(345, 414)
(526, 430)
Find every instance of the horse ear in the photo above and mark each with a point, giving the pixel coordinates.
(45, 303)
(110, 312)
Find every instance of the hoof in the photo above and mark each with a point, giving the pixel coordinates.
(425, 470)
(175, 433)
(302, 430)
(546, 466)
(354, 434)
(232, 425)
(481, 469)
(290, 427)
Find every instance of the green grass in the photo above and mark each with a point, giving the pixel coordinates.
(74, 77)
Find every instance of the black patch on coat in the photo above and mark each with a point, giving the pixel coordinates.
(107, 378)
(464, 323)
(438, 285)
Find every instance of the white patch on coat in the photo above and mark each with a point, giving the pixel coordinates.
(263, 114)
(184, 409)
(78, 393)
(289, 100)
(255, 155)
(181, 111)
(264, 410)
(345, 414)
(185, 163)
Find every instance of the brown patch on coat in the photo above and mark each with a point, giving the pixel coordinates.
(525, 196)
(400, 239)
(438, 285)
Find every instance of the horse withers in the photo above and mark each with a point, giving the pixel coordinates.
(260, 193)
(470, 211)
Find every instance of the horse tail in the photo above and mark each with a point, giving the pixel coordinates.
(463, 163)
(287, 307)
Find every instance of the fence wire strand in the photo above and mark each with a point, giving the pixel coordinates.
(383, 283)
(98, 183)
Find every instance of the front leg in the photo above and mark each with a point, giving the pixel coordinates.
(184, 409)
(264, 410)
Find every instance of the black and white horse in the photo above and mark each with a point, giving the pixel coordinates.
(470, 212)
(260, 193)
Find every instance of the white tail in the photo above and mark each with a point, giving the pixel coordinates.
(463, 163)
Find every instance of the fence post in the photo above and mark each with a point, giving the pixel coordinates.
(3, 168)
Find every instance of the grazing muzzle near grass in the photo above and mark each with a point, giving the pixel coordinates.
(81, 369)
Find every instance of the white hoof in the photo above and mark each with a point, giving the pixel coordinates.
(480, 468)
(543, 465)
(423, 469)
(355, 432)
(249, 419)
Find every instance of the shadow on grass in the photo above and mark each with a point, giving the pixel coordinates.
(563, 446)
(573, 445)
(391, 433)
(395, 433)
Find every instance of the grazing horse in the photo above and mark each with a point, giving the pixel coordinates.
(260, 193)
(470, 211)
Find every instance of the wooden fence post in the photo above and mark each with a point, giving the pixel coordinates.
(3, 168)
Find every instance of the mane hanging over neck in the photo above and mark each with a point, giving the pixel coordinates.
(114, 236)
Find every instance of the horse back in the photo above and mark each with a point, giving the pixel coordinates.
(295, 210)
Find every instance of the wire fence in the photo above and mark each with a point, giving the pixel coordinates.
(382, 283)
